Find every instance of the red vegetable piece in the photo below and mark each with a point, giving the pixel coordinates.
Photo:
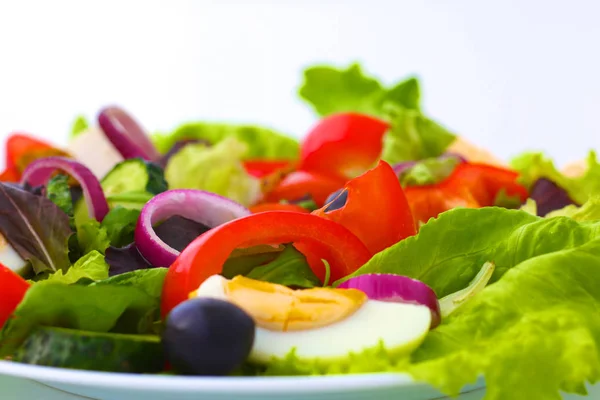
(376, 211)
(206, 255)
(12, 291)
(343, 145)
(278, 207)
(298, 184)
(470, 185)
(261, 168)
(21, 150)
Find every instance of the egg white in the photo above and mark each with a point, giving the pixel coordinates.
(399, 327)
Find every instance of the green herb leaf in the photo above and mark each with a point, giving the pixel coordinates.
(90, 267)
(329, 90)
(79, 126)
(149, 281)
(120, 225)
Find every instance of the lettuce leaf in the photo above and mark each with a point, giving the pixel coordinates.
(531, 334)
(533, 166)
(217, 169)
(80, 125)
(90, 267)
(429, 171)
(448, 252)
(413, 136)
(330, 90)
(590, 211)
(260, 142)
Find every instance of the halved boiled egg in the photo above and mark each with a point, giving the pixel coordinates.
(320, 323)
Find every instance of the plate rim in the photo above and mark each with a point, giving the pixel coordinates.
(232, 385)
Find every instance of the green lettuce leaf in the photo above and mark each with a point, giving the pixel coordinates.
(80, 125)
(120, 224)
(472, 237)
(58, 192)
(288, 267)
(428, 172)
(92, 236)
(96, 308)
(260, 142)
(150, 281)
(533, 166)
(90, 267)
(531, 334)
(413, 136)
(329, 90)
(590, 211)
(217, 169)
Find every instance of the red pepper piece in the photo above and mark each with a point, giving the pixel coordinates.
(206, 255)
(12, 291)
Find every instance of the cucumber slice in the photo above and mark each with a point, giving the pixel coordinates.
(112, 352)
(134, 175)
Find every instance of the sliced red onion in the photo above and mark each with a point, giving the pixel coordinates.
(450, 303)
(39, 172)
(128, 137)
(396, 288)
(203, 207)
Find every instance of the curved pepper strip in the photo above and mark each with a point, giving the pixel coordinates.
(343, 145)
(206, 255)
(21, 150)
(376, 210)
(12, 291)
(260, 168)
(470, 185)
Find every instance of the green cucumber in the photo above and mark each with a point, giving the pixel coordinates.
(134, 175)
(74, 349)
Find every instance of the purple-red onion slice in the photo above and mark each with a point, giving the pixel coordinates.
(396, 288)
(40, 171)
(128, 137)
(197, 205)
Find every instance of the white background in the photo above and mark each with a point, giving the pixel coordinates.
(511, 75)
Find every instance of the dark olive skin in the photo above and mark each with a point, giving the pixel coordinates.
(337, 199)
(205, 336)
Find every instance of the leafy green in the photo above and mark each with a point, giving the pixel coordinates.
(217, 169)
(288, 267)
(429, 171)
(96, 308)
(413, 136)
(533, 166)
(58, 192)
(92, 236)
(590, 211)
(533, 333)
(36, 228)
(80, 125)
(149, 281)
(329, 90)
(472, 237)
(90, 267)
(120, 225)
(260, 142)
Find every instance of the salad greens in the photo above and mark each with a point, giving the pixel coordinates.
(512, 259)
(260, 142)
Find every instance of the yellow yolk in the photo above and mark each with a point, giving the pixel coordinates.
(277, 307)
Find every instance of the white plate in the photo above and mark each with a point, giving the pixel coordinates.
(112, 386)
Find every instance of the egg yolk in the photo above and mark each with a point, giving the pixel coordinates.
(279, 308)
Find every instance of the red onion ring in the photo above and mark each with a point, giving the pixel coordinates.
(203, 207)
(39, 172)
(128, 137)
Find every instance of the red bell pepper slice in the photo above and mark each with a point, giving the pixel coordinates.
(261, 168)
(277, 207)
(298, 184)
(343, 145)
(470, 185)
(12, 291)
(376, 210)
(206, 255)
(22, 149)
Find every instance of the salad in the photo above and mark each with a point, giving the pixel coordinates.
(380, 242)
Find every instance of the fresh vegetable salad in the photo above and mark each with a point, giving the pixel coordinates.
(379, 242)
